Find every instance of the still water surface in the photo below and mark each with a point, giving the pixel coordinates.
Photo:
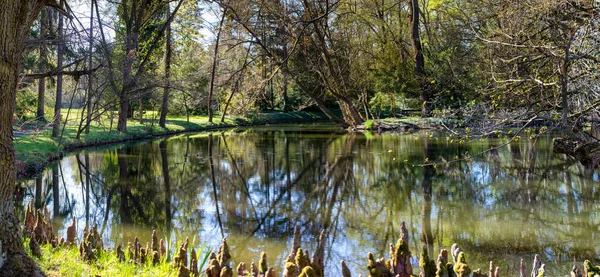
(254, 185)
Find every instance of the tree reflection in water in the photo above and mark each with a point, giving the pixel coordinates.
(255, 185)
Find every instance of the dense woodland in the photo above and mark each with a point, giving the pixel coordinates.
(488, 64)
(353, 60)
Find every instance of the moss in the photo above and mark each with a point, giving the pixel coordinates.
(263, 263)
(213, 269)
(541, 272)
(224, 255)
(442, 264)
(590, 271)
(307, 271)
(376, 268)
(302, 259)
(241, 269)
(226, 272)
(461, 268)
(441, 270)
(427, 265)
(290, 268)
(181, 257)
(401, 248)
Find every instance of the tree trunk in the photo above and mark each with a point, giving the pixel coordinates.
(214, 67)
(17, 17)
(91, 75)
(42, 67)
(128, 84)
(141, 109)
(133, 25)
(59, 78)
(165, 99)
(418, 56)
(586, 152)
(123, 111)
(564, 82)
(286, 100)
(234, 90)
(351, 115)
(335, 119)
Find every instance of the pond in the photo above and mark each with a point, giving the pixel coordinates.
(255, 185)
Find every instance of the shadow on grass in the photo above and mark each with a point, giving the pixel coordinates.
(185, 125)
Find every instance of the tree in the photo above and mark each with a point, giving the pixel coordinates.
(165, 99)
(214, 66)
(43, 60)
(17, 18)
(539, 51)
(91, 75)
(319, 49)
(417, 49)
(135, 15)
(59, 79)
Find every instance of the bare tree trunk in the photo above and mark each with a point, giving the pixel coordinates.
(128, 84)
(42, 67)
(234, 90)
(286, 100)
(418, 56)
(214, 67)
(564, 82)
(16, 17)
(165, 99)
(59, 79)
(91, 75)
(349, 112)
(141, 109)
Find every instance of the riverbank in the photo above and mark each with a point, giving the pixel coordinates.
(36, 149)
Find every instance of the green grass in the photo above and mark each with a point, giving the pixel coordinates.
(65, 261)
(35, 150)
(369, 124)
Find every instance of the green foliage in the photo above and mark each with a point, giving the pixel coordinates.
(26, 104)
(381, 104)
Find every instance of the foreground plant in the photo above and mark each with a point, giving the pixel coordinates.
(154, 259)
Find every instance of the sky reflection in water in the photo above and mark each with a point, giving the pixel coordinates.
(254, 185)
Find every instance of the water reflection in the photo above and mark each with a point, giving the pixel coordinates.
(255, 185)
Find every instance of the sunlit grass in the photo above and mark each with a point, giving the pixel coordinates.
(37, 147)
(66, 261)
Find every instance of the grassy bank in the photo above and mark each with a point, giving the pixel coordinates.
(35, 148)
(66, 261)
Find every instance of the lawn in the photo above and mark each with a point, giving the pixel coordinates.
(35, 147)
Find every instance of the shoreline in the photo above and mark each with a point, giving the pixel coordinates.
(33, 158)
